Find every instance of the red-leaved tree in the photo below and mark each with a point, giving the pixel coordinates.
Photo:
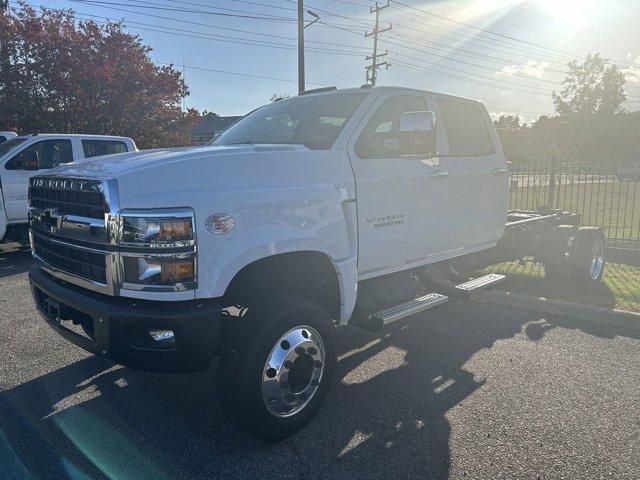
(59, 74)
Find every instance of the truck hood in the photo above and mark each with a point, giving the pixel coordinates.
(194, 176)
(114, 166)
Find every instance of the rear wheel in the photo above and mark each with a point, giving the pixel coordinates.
(587, 255)
(276, 367)
(555, 255)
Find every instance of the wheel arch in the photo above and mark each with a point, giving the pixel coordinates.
(309, 274)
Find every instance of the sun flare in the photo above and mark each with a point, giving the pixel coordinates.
(569, 11)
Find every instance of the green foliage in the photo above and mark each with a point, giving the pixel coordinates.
(59, 74)
(510, 123)
(591, 88)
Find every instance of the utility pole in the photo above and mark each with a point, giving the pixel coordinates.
(301, 27)
(184, 79)
(372, 70)
(300, 46)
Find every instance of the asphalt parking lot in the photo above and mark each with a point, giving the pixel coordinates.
(465, 391)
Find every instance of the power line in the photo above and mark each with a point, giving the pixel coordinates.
(528, 89)
(484, 35)
(456, 60)
(100, 3)
(240, 74)
(221, 38)
(569, 54)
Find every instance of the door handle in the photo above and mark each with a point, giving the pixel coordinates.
(500, 171)
(439, 174)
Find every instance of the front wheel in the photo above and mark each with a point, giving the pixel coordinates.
(276, 367)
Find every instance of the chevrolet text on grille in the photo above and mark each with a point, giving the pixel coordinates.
(65, 184)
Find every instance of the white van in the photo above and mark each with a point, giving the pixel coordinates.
(27, 155)
(4, 136)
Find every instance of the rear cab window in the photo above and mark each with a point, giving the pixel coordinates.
(96, 148)
(466, 128)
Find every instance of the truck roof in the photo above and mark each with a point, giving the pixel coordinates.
(378, 89)
(74, 135)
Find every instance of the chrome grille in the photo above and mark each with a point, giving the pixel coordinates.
(81, 262)
(84, 198)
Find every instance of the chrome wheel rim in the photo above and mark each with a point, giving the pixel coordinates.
(293, 371)
(597, 259)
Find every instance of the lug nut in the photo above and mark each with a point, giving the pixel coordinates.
(312, 351)
(288, 364)
(300, 350)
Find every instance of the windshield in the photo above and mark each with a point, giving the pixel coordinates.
(314, 122)
(10, 144)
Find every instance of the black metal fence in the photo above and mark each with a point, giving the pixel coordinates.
(606, 196)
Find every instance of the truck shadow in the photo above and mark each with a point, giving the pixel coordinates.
(14, 259)
(386, 416)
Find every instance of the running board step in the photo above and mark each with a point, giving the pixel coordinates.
(391, 314)
(480, 282)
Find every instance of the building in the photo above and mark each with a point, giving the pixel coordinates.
(209, 126)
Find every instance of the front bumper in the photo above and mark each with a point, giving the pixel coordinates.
(118, 328)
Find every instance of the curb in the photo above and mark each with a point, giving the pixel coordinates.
(576, 311)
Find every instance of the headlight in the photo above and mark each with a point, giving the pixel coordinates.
(158, 249)
(163, 231)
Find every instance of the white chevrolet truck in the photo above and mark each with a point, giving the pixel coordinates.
(337, 207)
(28, 155)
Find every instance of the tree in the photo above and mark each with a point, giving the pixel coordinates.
(62, 75)
(508, 122)
(593, 87)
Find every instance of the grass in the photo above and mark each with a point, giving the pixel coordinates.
(614, 205)
(620, 287)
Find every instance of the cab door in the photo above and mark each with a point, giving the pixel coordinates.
(15, 174)
(401, 201)
(478, 179)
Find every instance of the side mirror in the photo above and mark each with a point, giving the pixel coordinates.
(29, 160)
(418, 133)
(422, 122)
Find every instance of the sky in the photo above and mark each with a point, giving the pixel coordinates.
(509, 54)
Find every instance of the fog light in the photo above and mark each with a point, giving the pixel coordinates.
(165, 337)
(159, 271)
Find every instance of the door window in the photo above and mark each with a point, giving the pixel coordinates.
(466, 128)
(51, 153)
(95, 148)
(380, 138)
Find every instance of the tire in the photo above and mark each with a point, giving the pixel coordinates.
(274, 400)
(555, 256)
(587, 255)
